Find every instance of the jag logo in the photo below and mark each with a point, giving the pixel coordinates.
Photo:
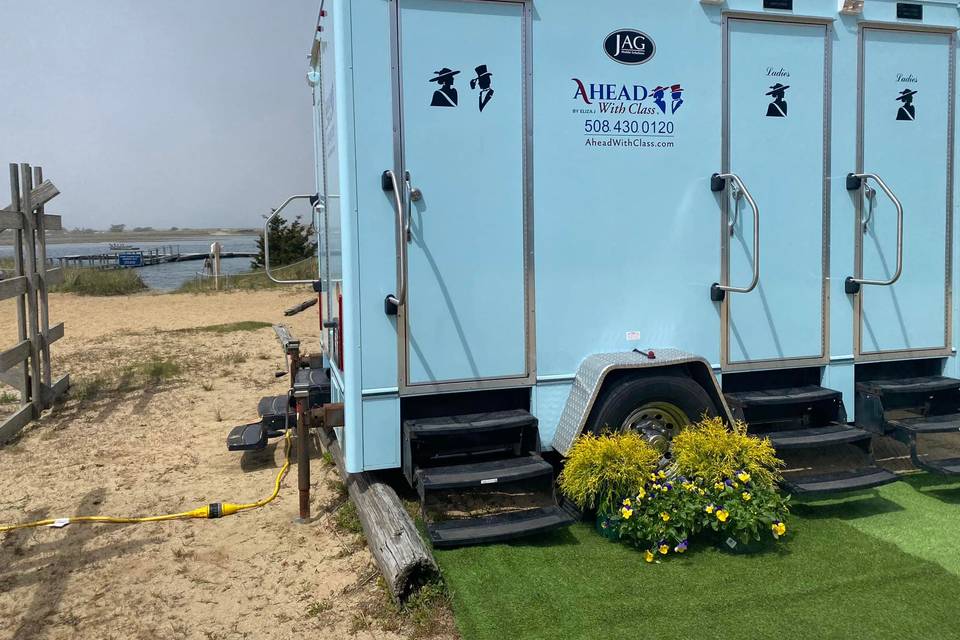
(629, 46)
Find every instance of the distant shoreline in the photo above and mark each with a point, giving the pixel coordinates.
(66, 237)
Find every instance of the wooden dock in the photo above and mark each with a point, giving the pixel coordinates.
(138, 258)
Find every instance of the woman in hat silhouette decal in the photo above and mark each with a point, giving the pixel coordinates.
(906, 111)
(483, 81)
(446, 95)
(777, 108)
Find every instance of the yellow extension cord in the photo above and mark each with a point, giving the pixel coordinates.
(216, 510)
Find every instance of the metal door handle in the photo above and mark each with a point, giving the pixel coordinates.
(414, 194)
(718, 182)
(856, 182)
(393, 302)
(317, 203)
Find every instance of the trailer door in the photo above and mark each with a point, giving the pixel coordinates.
(776, 113)
(906, 139)
(461, 145)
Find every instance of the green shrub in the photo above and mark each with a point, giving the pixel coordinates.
(253, 280)
(101, 282)
(714, 452)
(601, 470)
(722, 481)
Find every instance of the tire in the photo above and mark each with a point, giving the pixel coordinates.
(624, 397)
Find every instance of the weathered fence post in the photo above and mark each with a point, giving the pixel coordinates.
(29, 359)
(21, 374)
(33, 321)
(41, 230)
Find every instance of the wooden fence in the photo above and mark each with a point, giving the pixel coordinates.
(26, 365)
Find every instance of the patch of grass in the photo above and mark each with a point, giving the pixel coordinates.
(338, 489)
(85, 389)
(97, 282)
(230, 327)
(326, 458)
(425, 614)
(254, 280)
(318, 608)
(8, 398)
(159, 369)
(347, 518)
(843, 562)
(231, 357)
(150, 373)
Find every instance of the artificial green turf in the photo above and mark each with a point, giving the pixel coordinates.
(883, 564)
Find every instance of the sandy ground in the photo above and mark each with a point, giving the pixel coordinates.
(161, 449)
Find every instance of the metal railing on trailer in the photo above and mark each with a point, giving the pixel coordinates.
(26, 365)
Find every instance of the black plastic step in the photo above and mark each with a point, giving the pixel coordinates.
(816, 437)
(469, 424)
(781, 396)
(319, 383)
(247, 437)
(274, 411)
(482, 473)
(818, 484)
(467, 439)
(946, 466)
(458, 533)
(313, 377)
(923, 384)
(928, 424)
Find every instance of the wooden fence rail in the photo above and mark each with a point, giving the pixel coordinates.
(26, 365)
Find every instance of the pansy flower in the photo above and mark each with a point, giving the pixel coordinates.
(746, 496)
(649, 556)
(627, 503)
(680, 548)
(710, 508)
(778, 528)
(626, 512)
(664, 548)
(743, 477)
(665, 516)
(722, 515)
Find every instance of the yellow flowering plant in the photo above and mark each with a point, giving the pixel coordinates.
(716, 453)
(722, 482)
(660, 517)
(600, 471)
(744, 511)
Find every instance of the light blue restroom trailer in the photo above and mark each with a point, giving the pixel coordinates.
(544, 217)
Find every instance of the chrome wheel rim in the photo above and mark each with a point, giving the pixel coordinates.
(658, 422)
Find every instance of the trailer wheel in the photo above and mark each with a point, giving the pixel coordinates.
(657, 407)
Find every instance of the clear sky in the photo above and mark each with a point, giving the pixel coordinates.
(159, 113)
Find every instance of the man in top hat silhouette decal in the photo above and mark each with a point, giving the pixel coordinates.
(446, 95)
(906, 111)
(676, 93)
(777, 108)
(483, 81)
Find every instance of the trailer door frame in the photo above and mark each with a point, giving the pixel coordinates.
(529, 376)
(910, 217)
(727, 361)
